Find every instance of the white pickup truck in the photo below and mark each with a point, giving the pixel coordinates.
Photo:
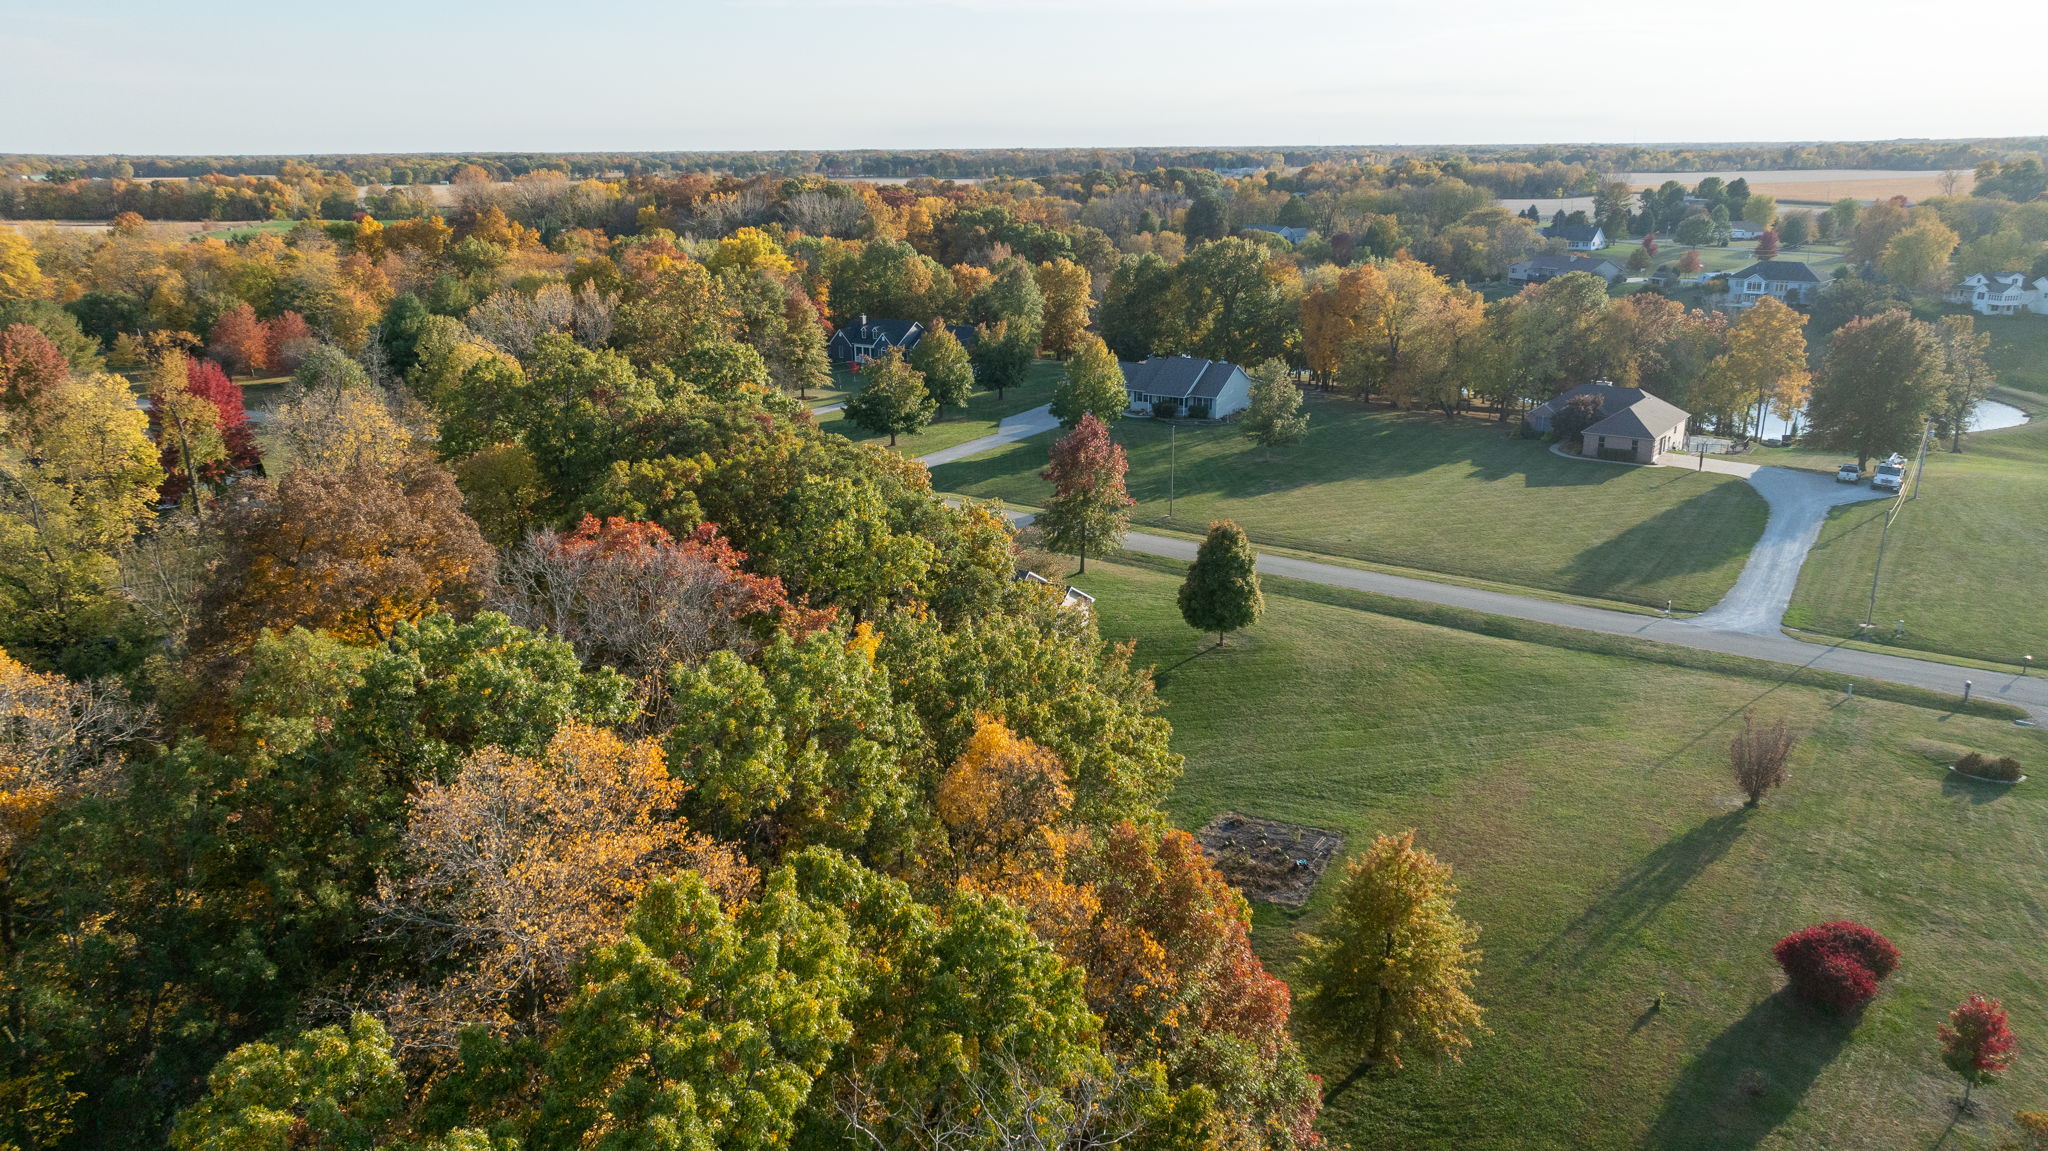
(1891, 474)
(1849, 474)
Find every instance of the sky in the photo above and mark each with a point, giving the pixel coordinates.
(236, 76)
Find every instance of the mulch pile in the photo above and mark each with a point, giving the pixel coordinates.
(1266, 859)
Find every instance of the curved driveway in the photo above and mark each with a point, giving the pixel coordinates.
(1744, 623)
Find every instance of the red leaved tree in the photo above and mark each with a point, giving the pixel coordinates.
(1836, 965)
(239, 340)
(205, 379)
(285, 340)
(1689, 264)
(1767, 245)
(1650, 245)
(1977, 1043)
(628, 594)
(31, 368)
(1089, 510)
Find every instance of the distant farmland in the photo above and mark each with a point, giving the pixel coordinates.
(1795, 186)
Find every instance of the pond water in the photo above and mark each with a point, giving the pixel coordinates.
(1987, 416)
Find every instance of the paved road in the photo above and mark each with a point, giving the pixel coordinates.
(1021, 426)
(828, 409)
(1802, 507)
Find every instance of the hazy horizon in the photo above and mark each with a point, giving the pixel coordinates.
(241, 77)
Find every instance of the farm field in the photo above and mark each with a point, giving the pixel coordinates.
(1791, 186)
(979, 418)
(1410, 490)
(1584, 802)
(1964, 565)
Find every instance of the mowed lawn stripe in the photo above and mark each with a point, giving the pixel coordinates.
(1585, 802)
(1462, 497)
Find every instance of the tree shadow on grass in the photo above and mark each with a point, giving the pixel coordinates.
(1679, 540)
(1751, 1077)
(1604, 929)
(1953, 786)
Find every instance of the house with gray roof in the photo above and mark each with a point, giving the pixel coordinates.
(1202, 389)
(1633, 425)
(1291, 235)
(1549, 265)
(1787, 281)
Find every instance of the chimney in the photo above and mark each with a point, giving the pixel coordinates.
(863, 319)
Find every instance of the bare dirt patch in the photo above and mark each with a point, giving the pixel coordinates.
(1268, 860)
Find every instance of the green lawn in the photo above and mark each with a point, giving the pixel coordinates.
(1584, 802)
(983, 412)
(1967, 563)
(1410, 490)
(1823, 258)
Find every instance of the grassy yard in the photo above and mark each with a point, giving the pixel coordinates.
(1408, 489)
(1967, 563)
(1599, 844)
(1739, 254)
(983, 412)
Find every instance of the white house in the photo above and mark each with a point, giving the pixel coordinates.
(1787, 281)
(1577, 237)
(2006, 295)
(1201, 389)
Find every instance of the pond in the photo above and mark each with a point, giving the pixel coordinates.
(1987, 416)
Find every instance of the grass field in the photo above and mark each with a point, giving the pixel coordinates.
(983, 412)
(1967, 563)
(1583, 800)
(1410, 490)
(1739, 254)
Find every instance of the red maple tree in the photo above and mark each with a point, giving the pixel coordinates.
(1977, 1042)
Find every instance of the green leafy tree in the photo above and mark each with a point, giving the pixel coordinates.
(78, 479)
(1232, 302)
(803, 746)
(1221, 593)
(1391, 972)
(1089, 510)
(1092, 386)
(1274, 418)
(708, 1028)
(330, 1088)
(892, 399)
(1880, 381)
(1966, 376)
(1003, 355)
(1013, 299)
(944, 364)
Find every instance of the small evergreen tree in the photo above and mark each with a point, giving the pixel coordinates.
(1275, 417)
(1089, 510)
(1092, 386)
(1221, 593)
(892, 398)
(1391, 973)
(942, 361)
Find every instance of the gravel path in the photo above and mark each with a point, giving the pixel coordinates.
(1799, 506)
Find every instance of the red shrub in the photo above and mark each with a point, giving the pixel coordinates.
(1836, 965)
